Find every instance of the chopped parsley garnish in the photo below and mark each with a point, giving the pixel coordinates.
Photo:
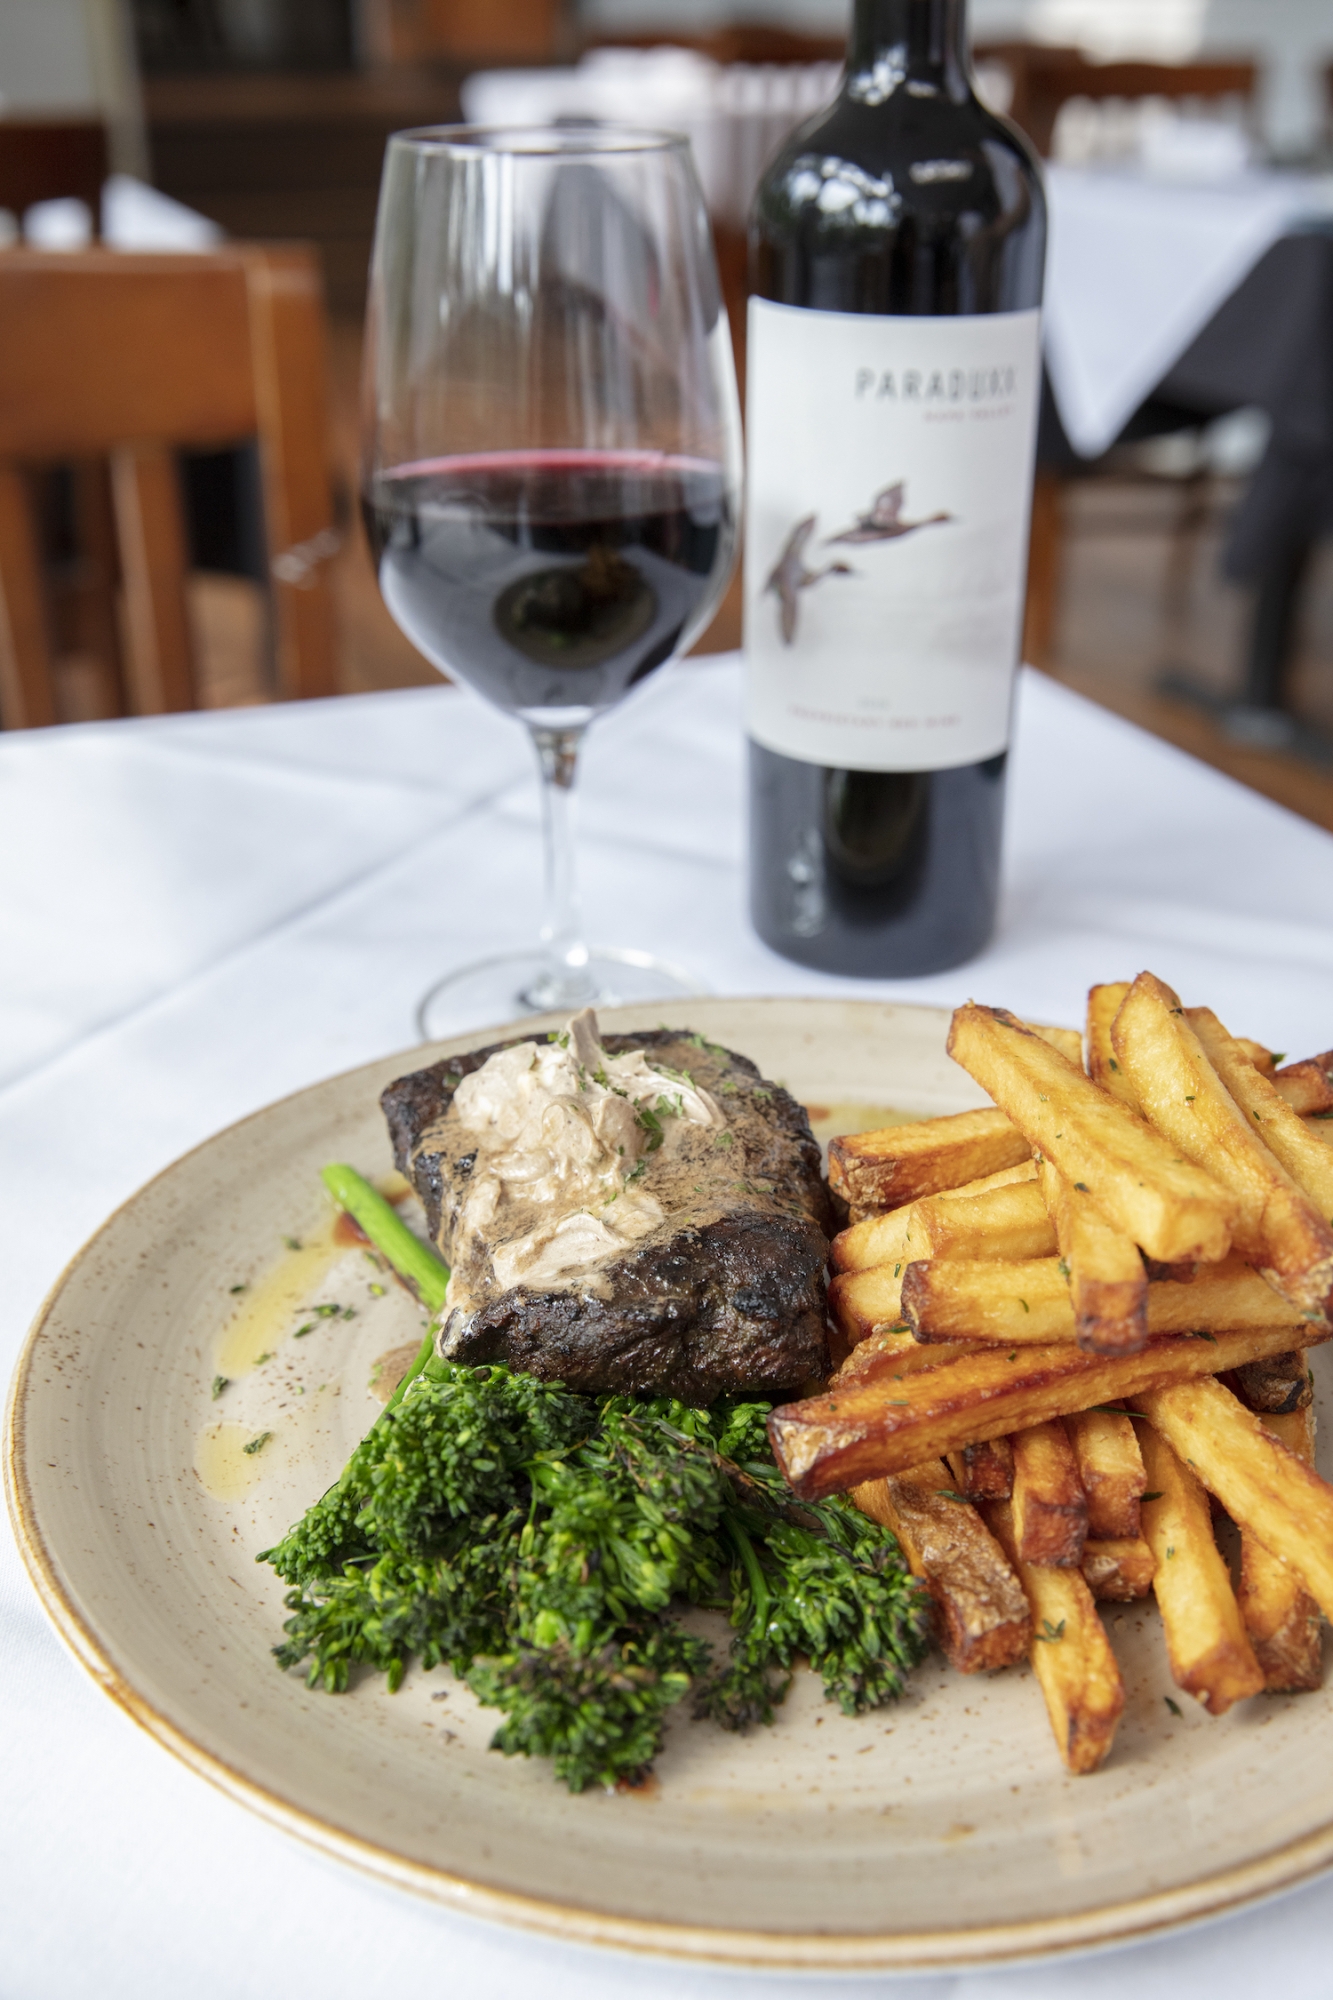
(220, 1382)
(256, 1443)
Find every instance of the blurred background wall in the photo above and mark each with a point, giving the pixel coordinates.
(72, 56)
(1292, 38)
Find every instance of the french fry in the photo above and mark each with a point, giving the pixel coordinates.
(1071, 1654)
(1029, 1303)
(864, 1302)
(1278, 1386)
(1050, 1506)
(1068, 1040)
(1025, 1302)
(1307, 1086)
(1320, 1127)
(885, 1169)
(1108, 1286)
(1117, 1572)
(1276, 1224)
(1110, 1466)
(1167, 1205)
(1255, 1052)
(893, 1352)
(1280, 1616)
(885, 1415)
(984, 1471)
(1210, 1655)
(1265, 1488)
(1006, 1221)
(1103, 1006)
(981, 1615)
(1270, 1116)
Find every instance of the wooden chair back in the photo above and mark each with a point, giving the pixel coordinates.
(127, 359)
(1045, 79)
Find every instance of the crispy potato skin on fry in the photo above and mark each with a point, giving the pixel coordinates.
(1168, 1206)
(884, 1169)
(984, 1471)
(1118, 1572)
(867, 1424)
(1007, 1221)
(1050, 1508)
(1108, 1286)
(1110, 1466)
(981, 1616)
(1307, 1086)
(1309, 1163)
(1276, 1225)
(1210, 1655)
(1280, 1616)
(1103, 1006)
(1276, 1387)
(1256, 1053)
(1264, 1487)
(1071, 1654)
(1029, 1304)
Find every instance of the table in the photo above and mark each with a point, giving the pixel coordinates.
(1169, 304)
(202, 912)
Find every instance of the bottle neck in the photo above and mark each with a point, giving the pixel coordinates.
(918, 41)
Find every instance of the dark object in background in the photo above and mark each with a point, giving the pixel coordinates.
(50, 159)
(192, 35)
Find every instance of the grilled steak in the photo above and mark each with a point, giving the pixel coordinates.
(715, 1280)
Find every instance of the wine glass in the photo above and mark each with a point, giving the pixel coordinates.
(551, 465)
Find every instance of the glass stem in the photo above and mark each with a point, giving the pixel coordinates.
(564, 980)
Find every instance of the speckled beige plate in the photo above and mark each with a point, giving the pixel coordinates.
(936, 1833)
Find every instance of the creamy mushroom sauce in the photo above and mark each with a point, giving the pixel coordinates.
(559, 1134)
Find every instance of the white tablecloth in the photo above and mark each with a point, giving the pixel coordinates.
(198, 914)
(1137, 267)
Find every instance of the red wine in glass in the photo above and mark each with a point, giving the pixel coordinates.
(549, 580)
(551, 468)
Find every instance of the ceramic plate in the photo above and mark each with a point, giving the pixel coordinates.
(939, 1832)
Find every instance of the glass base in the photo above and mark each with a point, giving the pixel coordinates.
(517, 983)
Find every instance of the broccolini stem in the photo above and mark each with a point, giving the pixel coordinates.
(423, 1354)
(753, 1570)
(414, 1261)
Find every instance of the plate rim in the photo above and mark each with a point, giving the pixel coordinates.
(1125, 1922)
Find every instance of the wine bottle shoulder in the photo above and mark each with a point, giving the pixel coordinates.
(916, 204)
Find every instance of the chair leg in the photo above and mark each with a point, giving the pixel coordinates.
(96, 631)
(291, 391)
(146, 492)
(1044, 565)
(27, 680)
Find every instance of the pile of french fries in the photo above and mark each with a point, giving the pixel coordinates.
(1071, 1322)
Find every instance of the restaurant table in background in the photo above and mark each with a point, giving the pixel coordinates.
(201, 913)
(1170, 303)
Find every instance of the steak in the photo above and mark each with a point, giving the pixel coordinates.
(723, 1292)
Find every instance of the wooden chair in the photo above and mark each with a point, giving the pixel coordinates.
(128, 358)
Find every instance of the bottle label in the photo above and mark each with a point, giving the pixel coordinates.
(890, 484)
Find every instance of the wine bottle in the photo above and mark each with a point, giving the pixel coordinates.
(897, 248)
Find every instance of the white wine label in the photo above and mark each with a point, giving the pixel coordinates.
(889, 487)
